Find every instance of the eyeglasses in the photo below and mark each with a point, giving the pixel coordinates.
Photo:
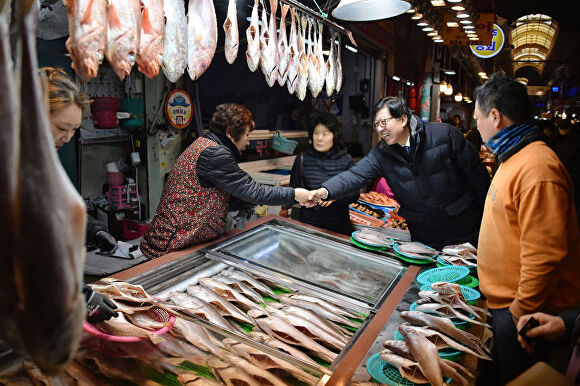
(383, 122)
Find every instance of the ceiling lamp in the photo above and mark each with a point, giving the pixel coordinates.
(432, 33)
(449, 90)
(443, 87)
(417, 16)
(438, 40)
(367, 10)
(422, 24)
(452, 24)
(458, 8)
(427, 29)
(466, 21)
(411, 10)
(438, 3)
(462, 15)
(454, 1)
(449, 71)
(458, 97)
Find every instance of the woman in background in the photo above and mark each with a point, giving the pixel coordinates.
(325, 157)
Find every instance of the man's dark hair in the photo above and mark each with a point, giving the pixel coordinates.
(397, 107)
(327, 119)
(506, 95)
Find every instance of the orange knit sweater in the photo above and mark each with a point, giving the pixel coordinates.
(529, 243)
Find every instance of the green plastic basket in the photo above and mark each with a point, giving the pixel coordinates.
(383, 372)
(449, 274)
(468, 281)
(283, 145)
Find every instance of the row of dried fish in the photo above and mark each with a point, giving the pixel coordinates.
(287, 60)
(40, 282)
(462, 254)
(151, 33)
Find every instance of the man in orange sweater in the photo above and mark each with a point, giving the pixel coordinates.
(529, 244)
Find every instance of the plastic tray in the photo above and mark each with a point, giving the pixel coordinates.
(445, 353)
(469, 294)
(411, 260)
(383, 372)
(452, 274)
(433, 256)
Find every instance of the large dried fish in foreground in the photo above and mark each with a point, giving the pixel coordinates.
(151, 37)
(46, 309)
(408, 368)
(253, 38)
(263, 376)
(122, 35)
(201, 36)
(87, 22)
(174, 59)
(425, 354)
(293, 52)
(120, 326)
(194, 306)
(231, 31)
(197, 335)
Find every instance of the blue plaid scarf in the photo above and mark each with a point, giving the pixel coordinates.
(508, 137)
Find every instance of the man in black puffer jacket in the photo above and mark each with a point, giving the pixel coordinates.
(436, 176)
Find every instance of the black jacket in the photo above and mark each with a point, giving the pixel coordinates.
(310, 173)
(218, 166)
(441, 185)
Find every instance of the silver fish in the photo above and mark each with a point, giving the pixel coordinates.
(331, 68)
(455, 302)
(232, 41)
(446, 310)
(261, 337)
(312, 59)
(197, 335)
(122, 35)
(46, 307)
(240, 286)
(174, 60)
(183, 350)
(302, 77)
(151, 37)
(87, 22)
(252, 282)
(283, 47)
(339, 65)
(120, 326)
(224, 307)
(293, 52)
(329, 306)
(325, 313)
(253, 38)
(425, 354)
(198, 307)
(228, 293)
(201, 36)
(280, 329)
(321, 65)
(269, 45)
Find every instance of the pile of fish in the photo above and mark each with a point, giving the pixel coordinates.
(463, 254)
(43, 217)
(300, 325)
(287, 60)
(416, 250)
(151, 33)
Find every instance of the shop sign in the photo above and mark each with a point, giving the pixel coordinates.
(178, 109)
(456, 36)
(491, 50)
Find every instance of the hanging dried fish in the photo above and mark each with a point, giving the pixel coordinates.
(253, 38)
(122, 35)
(231, 31)
(201, 36)
(151, 37)
(268, 44)
(283, 48)
(174, 59)
(293, 52)
(331, 67)
(339, 65)
(302, 77)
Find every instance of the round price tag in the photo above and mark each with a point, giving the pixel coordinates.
(178, 109)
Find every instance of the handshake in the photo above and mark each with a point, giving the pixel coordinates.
(311, 198)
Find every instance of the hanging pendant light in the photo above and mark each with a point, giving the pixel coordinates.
(458, 97)
(367, 10)
(443, 87)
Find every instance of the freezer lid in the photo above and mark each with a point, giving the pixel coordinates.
(305, 258)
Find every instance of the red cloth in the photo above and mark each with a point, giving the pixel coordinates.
(382, 187)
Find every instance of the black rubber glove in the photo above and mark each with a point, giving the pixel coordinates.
(99, 307)
(105, 242)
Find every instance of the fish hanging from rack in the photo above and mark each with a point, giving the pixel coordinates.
(331, 67)
(302, 77)
(312, 59)
(174, 60)
(122, 35)
(292, 70)
(87, 25)
(339, 65)
(151, 37)
(253, 38)
(231, 31)
(268, 44)
(42, 303)
(283, 47)
(201, 36)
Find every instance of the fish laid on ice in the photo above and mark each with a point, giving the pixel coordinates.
(261, 375)
(174, 60)
(228, 293)
(253, 38)
(232, 41)
(87, 23)
(122, 35)
(283, 54)
(331, 68)
(224, 307)
(425, 354)
(151, 37)
(252, 282)
(261, 337)
(280, 329)
(339, 64)
(269, 44)
(269, 362)
(240, 286)
(197, 335)
(120, 326)
(194, 306)
(201, 36)
(302, 77)
(43, 305)
(292, 67)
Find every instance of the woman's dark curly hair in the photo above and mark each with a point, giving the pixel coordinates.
(327, 119)
(232, 119)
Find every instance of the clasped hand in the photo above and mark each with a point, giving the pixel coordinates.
(311, 198)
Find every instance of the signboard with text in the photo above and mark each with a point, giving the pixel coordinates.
(456, 36)
(485, 51)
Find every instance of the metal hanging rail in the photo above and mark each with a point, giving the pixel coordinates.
(312, 13)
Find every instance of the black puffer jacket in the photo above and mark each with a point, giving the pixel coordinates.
(441, 187)
(310, 172)
(218, 166)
